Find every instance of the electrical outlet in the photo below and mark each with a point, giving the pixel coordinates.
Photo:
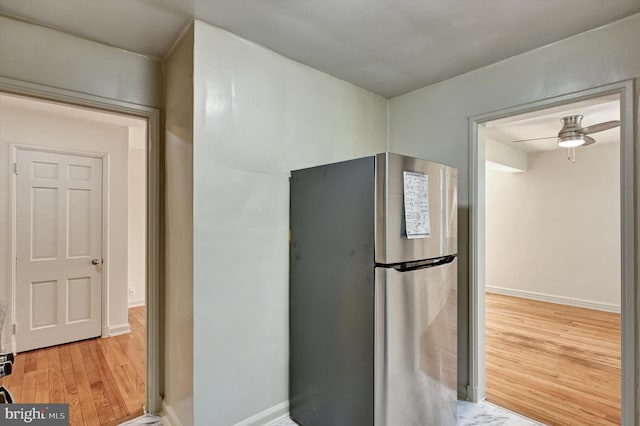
(132, 293)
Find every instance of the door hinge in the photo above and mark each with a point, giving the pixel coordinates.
(15, 329)
(15, 168)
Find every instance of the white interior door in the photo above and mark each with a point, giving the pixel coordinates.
(59, 248)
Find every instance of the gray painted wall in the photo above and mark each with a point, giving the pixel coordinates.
(40, 55)
(433, 122)
(257, 115)
(178, 368)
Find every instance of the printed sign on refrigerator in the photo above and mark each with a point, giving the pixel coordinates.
(416, 205)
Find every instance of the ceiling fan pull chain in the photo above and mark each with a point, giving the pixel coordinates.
(573, 154)
(568, 154)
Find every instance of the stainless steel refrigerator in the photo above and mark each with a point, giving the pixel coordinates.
(373, 293)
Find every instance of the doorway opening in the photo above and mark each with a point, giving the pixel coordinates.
(552, 266)
(481, 270)
(80, 177)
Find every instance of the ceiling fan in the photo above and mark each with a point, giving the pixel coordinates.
(572, 134)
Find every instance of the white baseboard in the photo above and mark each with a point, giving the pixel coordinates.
(8, 347)
(117, 330)
(270, 416)
(277, 420)
(473, 394)
(561, 300)
(169, 416)
(135, 303)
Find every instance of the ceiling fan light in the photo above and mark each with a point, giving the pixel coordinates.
(571, 141)
(570, 136)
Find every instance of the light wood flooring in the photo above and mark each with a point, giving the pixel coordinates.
(102, 380)
(556, 364)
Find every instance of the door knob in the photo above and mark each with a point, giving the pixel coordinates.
(94, 261)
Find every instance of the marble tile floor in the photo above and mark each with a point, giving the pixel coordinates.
(470, 414)
(488, 414)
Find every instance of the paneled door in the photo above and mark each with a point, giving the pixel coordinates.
(58, 247)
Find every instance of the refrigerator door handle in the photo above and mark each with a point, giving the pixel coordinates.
(418, 264)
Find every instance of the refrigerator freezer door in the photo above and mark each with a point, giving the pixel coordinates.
(331, 295)
(392, 244)
(416, 346)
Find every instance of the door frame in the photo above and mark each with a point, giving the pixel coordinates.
(154, 272)
(629, 225)
(104, 229)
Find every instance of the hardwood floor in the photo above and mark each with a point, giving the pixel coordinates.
(556, 364)
(102, 380)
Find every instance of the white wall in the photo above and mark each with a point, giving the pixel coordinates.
(433, 122)
(40, 55)
(504, 157)
(137, 215)
(37, 127)
(178, 314)
(257, 115)
(553, 232)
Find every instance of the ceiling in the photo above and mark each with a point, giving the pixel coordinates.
(389, 47)
(548, 122)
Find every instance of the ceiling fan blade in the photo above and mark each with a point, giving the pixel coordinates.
(600, 127)
(588, 140)
(534, 139)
